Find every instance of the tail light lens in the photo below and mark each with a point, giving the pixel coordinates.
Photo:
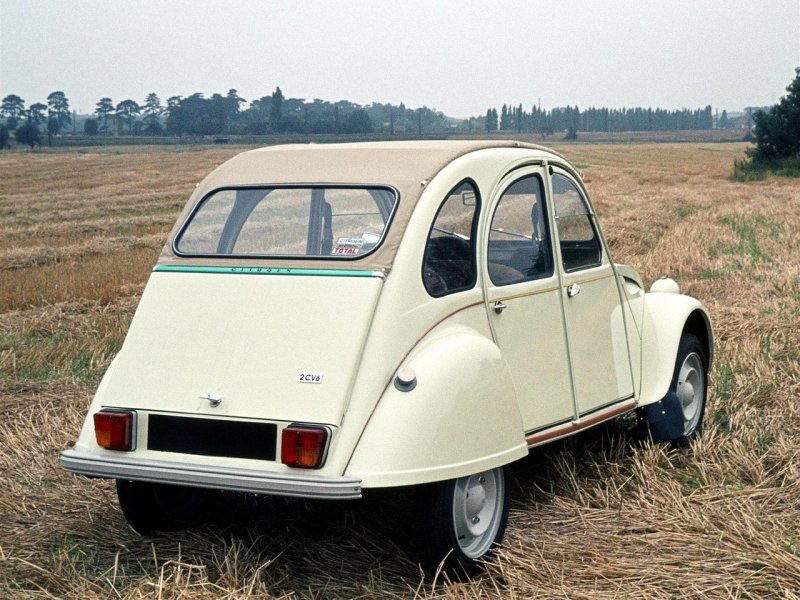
(113, 429)
(303, 446)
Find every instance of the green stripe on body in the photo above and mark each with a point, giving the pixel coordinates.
(266, 271)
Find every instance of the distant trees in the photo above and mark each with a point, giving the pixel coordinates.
(36, 113)
(233, 104)
(505, 120)
(777, 131)
(104, 109)
(358, 121)
(197, 115)
(29, 135)
(256, 118)
(127, 111)
(53, 127)
(58, 111)
(491, 120)
(4, 136)
(393, 118)
(276, 109)
(26, 123)
(188, 115)
(152, 112)
(90, 127)
(276, 113)
(13, 109)
(599, 119)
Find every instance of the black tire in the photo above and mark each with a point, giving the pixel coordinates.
(449, 535)
(152, 507)
(690, 384)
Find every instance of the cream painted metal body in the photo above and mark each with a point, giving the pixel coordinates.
(498, 367)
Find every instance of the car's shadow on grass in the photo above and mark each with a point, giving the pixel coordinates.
(368, 545)
(294, 545)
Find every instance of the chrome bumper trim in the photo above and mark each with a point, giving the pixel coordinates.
(223, 478)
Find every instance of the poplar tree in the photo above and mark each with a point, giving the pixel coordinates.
(276, 109)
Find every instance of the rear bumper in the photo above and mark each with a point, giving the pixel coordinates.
(240, 480)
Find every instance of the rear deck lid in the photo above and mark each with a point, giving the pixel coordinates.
(259, 343)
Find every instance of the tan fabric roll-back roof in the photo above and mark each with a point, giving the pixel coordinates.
(406, 166)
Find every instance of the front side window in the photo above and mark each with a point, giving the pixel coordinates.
(580, 246)
(296, 222)
(449, 263)
(519, 239)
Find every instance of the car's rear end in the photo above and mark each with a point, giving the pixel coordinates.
(265, 340)
(234, 372)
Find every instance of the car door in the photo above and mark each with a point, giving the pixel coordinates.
(596, 335)
(524, 303)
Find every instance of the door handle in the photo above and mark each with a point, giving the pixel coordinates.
(573, 290)
(499, 307)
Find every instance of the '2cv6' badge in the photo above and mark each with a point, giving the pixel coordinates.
(310, 377)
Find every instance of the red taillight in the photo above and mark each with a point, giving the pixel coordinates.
(303, 446)
(113, 429)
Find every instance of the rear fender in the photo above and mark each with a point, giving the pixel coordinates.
(666, 317)
(460, 418)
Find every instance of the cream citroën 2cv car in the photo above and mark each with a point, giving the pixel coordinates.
(326, 319)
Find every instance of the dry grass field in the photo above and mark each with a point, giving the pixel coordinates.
(596, 516)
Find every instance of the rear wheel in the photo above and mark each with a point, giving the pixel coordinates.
(151, 507)
(463, 520)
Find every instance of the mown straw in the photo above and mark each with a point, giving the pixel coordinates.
(595, 516)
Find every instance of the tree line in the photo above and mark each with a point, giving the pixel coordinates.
(230, 114)
(572, 119)
(27, 123)
(216, 115)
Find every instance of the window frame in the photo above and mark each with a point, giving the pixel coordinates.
(473, 236)
(302, 257)
(548, 238)
(590, 215)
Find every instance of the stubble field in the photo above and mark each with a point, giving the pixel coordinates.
(596, 516)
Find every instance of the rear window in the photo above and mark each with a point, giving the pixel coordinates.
(333, 222)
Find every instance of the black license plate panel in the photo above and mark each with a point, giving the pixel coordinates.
(212, 437)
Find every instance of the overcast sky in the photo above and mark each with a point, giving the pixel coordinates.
(458, 57)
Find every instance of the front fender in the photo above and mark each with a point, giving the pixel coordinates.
(461, 418)
(666, 317)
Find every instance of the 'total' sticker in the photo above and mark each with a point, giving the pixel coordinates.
(346, 250)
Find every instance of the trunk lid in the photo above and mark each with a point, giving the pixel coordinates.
(266, 346)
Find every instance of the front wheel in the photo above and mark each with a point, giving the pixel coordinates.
(463, 520)
(678, 417)
(689, 384)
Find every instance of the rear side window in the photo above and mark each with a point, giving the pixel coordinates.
(449, 263)
(319, 222)
(580, 246)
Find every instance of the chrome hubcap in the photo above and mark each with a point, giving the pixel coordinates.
(691, 383)
(477, 509)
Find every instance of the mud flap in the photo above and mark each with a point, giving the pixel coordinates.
(661, 421)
